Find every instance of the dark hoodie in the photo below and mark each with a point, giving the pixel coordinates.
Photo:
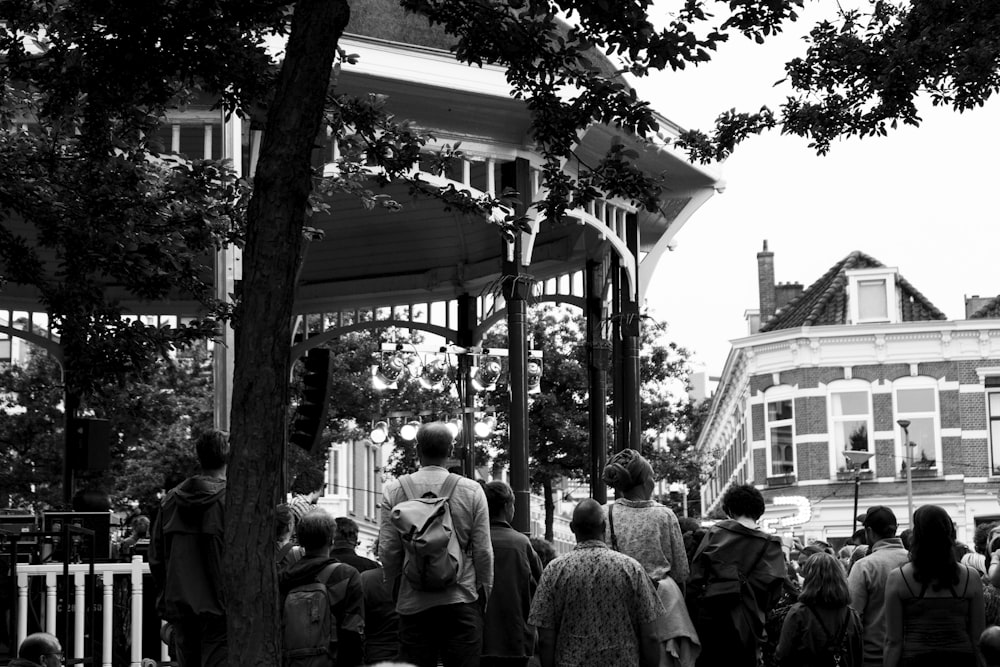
(347, 602)
(185, 555)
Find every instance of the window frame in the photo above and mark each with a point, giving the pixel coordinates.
(935, 414)
(837, 459)
(776, 395)
(857, 277)
(338, 471)
(994, 444)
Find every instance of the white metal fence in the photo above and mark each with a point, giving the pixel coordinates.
(104, 603)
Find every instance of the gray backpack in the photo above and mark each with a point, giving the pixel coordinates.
(433, 556)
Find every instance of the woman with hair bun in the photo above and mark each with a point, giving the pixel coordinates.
(934, 612)
(649, 532)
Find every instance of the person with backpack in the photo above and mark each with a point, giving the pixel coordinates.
(322, 602)
(737, 575)
(435, 533)
(821, 629)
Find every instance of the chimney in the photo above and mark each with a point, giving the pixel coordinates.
(974, 303)
(765, 283)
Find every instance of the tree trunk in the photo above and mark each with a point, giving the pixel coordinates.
(263, 328)
(550, 508)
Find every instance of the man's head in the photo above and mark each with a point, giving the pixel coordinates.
(743, 500)
(346, 532)
(989, 646)
(879, 523)
(310, 482)
(315, 531)
(588, 520)
(499, 500)
(212, 448)
(434, 442)
(284, 522)
(986, 539)
(43, 648)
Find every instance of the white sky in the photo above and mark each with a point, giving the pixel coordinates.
(922, 199)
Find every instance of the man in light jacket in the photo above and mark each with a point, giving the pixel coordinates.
(446, 623)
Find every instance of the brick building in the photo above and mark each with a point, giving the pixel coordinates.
(834, 368)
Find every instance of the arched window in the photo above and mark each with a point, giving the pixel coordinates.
(915, 399)
(779, 415)
(850, 413)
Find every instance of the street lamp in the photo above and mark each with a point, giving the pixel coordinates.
(905, 423)
(857, 458)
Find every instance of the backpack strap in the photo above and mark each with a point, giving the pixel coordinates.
(406, 484)
(448, 488)
(327, 572)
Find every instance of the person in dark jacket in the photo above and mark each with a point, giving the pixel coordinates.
(507, 637)
(39, 649)
(345, 541)
(736, 578)
(315, 533)
(381, 619)
(185, 558)
(822, 621)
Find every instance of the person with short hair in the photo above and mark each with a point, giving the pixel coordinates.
(185, 557)
(286, 552)
(307, 488)
(137, 543)
(820, 617)
(543, 549)
(448, 623)
(39, 649)
(345, 543)
(934, 613)
(315, 531)
(989, 646)
(508, 640)
(595, 606)
(735, 554)
(868, 576)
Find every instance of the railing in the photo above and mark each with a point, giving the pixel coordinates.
(78, 573)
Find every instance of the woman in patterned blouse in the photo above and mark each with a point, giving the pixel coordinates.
(642, 528)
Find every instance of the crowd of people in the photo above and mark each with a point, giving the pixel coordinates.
(461, 587)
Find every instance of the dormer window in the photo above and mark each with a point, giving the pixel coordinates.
(872, 295)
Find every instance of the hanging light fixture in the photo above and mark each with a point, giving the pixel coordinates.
(454, 427)
(391, 370)
(434, 375)
(534, 375)
(485, 376)
(484, 427)
(408, 431)
(380, 433)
